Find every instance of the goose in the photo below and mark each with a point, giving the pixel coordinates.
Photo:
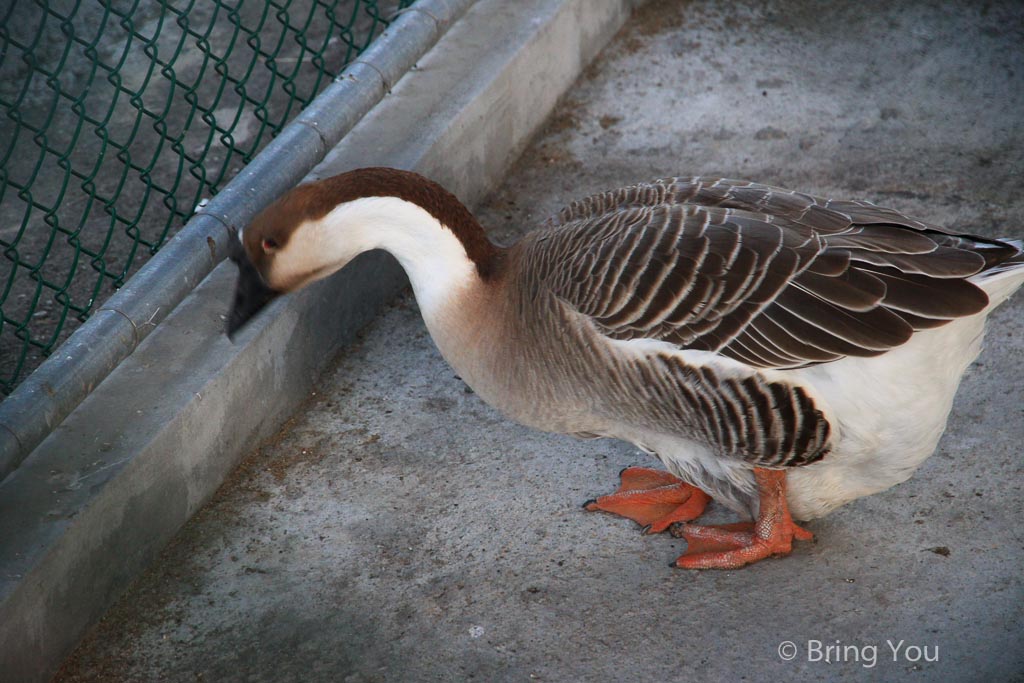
(779, 353)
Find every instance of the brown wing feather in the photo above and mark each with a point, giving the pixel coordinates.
(768, 277)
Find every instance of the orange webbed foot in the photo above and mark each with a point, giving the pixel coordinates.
(652, 498)
(731, 546)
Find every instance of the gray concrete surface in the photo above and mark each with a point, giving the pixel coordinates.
(97, 500)
(400, 530)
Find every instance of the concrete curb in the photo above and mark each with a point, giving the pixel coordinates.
(117, 327)
(94, 502)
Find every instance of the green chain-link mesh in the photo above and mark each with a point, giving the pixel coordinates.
(119, 117)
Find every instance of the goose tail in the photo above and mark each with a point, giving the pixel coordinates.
(1004, 278)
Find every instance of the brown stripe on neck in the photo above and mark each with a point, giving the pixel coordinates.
(317, 199)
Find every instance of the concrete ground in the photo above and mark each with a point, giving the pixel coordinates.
(398, 529)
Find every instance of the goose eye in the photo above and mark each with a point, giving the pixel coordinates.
(269, 244)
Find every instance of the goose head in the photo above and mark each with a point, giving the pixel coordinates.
(277, 253)
(317, 228)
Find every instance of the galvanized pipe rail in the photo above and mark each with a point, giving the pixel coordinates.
(114, 331)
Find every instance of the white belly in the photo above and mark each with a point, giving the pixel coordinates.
(887, 415)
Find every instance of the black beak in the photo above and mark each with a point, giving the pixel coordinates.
(251, 293)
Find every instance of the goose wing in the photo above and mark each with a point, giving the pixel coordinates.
(768, 277)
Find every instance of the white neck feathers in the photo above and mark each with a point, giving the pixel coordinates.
(433, 257)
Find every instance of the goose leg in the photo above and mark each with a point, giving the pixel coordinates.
(652, 498)
(731, 546)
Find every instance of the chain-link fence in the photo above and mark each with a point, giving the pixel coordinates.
(121, 116)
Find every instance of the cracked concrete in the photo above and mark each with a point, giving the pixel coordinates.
(398, 529)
